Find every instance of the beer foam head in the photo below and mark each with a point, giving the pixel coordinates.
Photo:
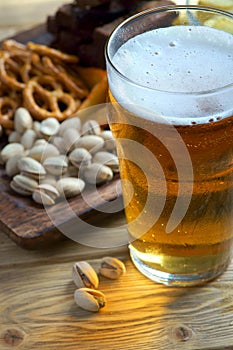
(184, 73)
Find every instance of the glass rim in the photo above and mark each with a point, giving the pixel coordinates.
(156, 11)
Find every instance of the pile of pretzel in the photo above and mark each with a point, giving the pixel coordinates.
(47, 82)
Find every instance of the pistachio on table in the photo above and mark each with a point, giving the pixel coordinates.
(84, 275)
(89, 299)
(112, 268)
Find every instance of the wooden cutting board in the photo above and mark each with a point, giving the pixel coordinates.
(27, 223)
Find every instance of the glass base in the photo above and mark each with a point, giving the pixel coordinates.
(176, 280)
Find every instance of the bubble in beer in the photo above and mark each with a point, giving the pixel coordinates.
(198, 59)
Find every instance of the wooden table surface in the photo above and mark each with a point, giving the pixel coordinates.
(37, 309)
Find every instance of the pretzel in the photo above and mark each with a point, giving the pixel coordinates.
(9, 101)
(46, 81)
(76, 86)
(14, 46)
(53, 53)
(44, 90)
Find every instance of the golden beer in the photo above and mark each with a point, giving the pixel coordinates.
(197, 246)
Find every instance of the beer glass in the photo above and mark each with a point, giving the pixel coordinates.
(170, 73)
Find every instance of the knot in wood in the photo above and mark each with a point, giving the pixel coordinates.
(182, 333)
(13, 337)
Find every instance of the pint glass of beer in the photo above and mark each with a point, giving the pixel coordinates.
(170, 73)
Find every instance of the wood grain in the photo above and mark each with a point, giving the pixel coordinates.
(37, 310)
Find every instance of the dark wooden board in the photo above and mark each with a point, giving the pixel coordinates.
(31, 225)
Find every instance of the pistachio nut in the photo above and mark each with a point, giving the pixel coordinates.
(55, 165)
(12, 166)
(72, 171)
(40, 142)
(107, 158)
(97, 173)
(84, 275)
(92, 143)
(45, 194)
(23, 185)
(112, 268)
(70, 137)
(89, 299)
(42, 151)
(70, 186)
(31, 167)
(80, 157)
(91, 127)
(49, 180)
(28, 138)
(71, 123)
(58, 142)
(36, 128)
(109, 141)
(14, 136)
(22, 120)
(49, 127)
(11, 150)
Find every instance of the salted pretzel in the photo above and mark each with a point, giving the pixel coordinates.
(43, 90)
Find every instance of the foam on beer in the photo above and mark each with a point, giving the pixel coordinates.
(173, 67)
